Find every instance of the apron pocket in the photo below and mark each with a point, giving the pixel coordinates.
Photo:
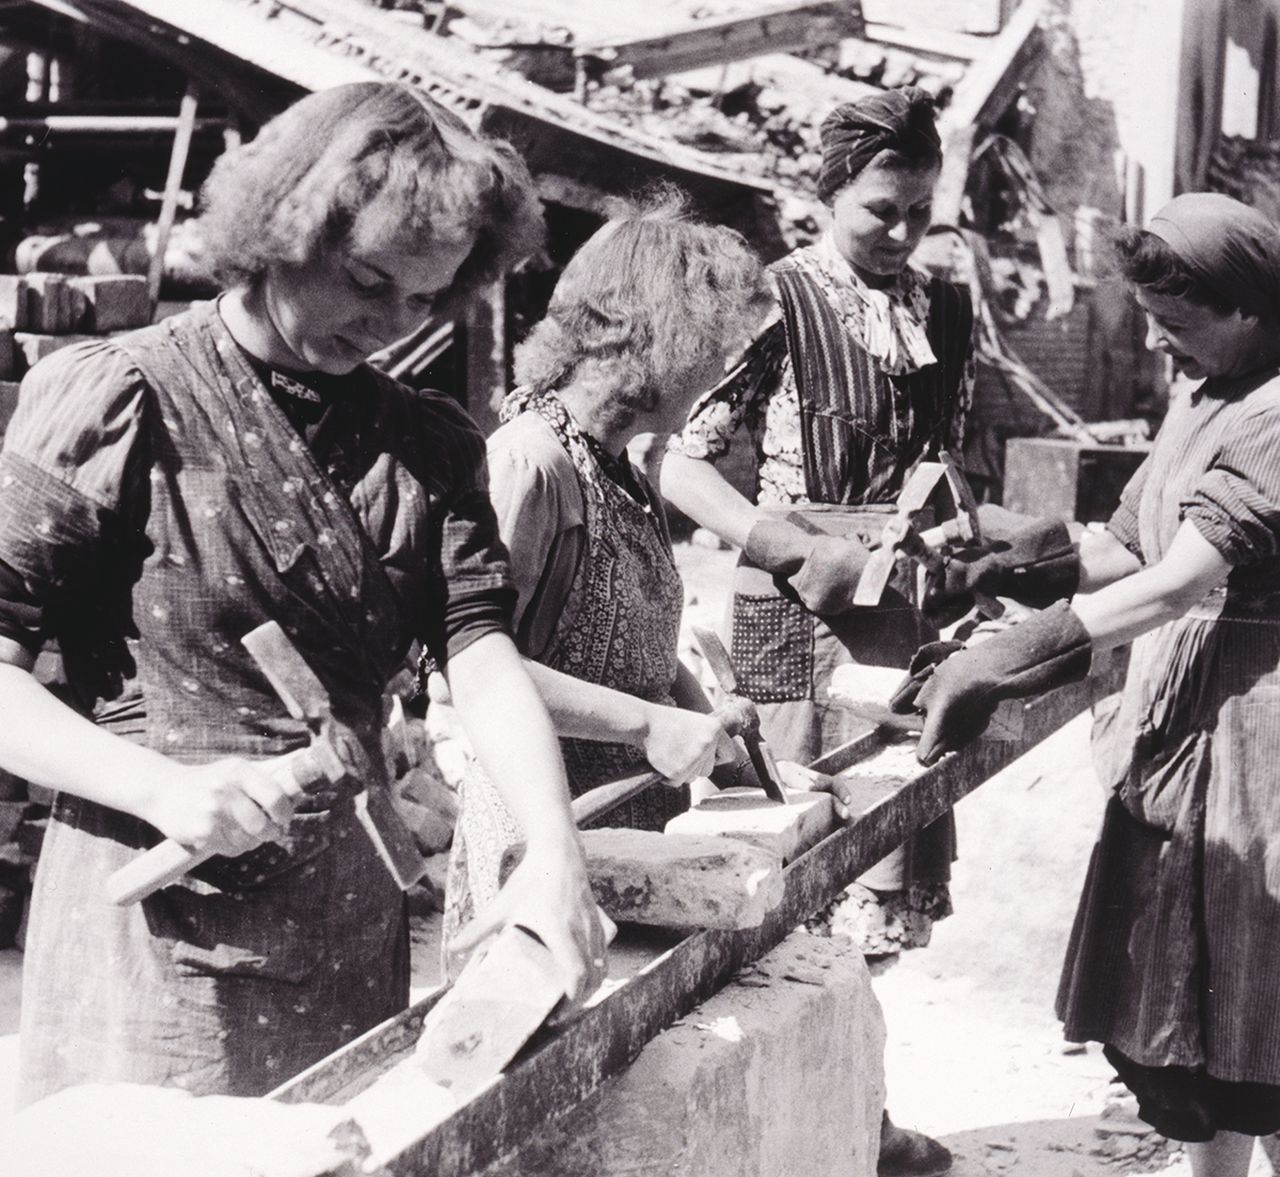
(264, 933)
(772, 649)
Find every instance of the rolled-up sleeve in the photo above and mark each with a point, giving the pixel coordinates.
(740, 397)
(1236, 504)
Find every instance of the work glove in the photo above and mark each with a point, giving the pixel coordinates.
(958, 691)
(823, 570)
(1029, 559)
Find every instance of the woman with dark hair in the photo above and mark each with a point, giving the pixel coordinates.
(641, 321)
(1173, 962)
(168, 491)
(865, 371)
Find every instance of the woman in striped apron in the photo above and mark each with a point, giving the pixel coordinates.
(1174, 961)
(864, 371)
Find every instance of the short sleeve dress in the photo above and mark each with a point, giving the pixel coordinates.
(157, 504)
(841, 397)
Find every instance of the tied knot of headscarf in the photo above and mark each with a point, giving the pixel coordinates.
(855, 133)
(1229, 248)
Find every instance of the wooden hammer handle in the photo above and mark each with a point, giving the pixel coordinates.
(603, 798)
(167, 862)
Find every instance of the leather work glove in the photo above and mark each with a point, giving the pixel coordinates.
(958, 692)
(1029, 559)
(822, 569)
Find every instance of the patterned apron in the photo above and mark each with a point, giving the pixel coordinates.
(619, 628)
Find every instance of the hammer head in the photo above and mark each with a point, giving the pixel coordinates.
(305, 697)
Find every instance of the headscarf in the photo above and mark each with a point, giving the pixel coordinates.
(1232, 250)
(855, 133)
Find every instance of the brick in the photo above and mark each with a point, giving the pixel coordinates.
(50, 305)
(681, 880)
(32, 347)
(127, 1128)
(747, 815)
(8, 401)
(113, 302)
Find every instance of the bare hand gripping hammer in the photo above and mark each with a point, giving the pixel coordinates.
(334, 754)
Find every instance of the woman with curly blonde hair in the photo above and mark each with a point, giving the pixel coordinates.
(642, 320)
(172, 489)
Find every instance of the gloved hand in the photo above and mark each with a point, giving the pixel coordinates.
(823, 569)
(1030, 559)
(958, 692)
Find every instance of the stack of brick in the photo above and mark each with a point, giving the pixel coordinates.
(427, 759)
(40, 313)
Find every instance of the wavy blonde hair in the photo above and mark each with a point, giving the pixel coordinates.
(368, 164)
(651, 297)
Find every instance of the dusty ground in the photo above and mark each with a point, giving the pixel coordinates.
(975, 1055)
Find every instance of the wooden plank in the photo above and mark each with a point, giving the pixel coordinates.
(568, 1063)
(931, 42)
(777, 28)
(991, 83)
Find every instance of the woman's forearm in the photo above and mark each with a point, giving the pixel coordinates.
(1104, 560)
(46, 742)
(699, 490)
(512, 736)
(1144, 600)
(588, 711)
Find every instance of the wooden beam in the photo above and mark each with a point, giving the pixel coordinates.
(777, 28)
(172, 186)
(570, 1062)
(991, 83)
(931, 42)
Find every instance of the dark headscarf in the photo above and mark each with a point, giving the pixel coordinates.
(1232, 250)
(854, 134)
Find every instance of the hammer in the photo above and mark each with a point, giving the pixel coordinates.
(901, 537)
(334, 754)
(739, 713)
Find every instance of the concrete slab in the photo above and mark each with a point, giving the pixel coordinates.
(779, 1073)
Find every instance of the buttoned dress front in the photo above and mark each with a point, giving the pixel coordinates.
(160, 505)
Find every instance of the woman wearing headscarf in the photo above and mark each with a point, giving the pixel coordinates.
(1174, 961)
(167, 491)
(864, 371)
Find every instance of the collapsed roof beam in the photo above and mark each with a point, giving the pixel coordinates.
(777, 28)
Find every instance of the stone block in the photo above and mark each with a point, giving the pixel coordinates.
(8, 354)
(781, 1072)
(681, 881)
(113, 302)
(32, 347)
(49, 305)
(747, 815)
(127, 1130)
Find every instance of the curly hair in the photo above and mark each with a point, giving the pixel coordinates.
(368, 164)
(652, 297)
(1146, 260)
